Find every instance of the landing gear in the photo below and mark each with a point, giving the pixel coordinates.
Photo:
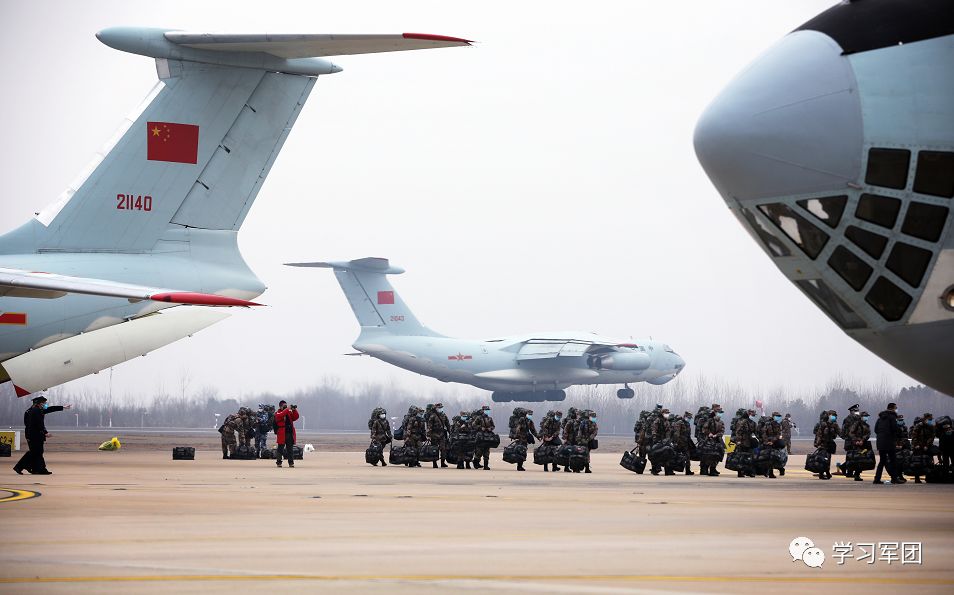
(625, 393)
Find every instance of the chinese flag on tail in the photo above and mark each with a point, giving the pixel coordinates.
(385, 297)
(166, 141)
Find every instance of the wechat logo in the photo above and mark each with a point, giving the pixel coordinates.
(803, 548)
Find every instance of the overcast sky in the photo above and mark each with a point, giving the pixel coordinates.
(543, 179)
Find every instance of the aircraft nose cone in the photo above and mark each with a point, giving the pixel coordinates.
(788, 124)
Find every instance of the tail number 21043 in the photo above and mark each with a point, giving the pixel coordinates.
(133, 202)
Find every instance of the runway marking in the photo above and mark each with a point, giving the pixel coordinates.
(901, 580)
(16, 495)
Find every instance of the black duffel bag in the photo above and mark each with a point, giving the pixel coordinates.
(593, 444)
(488, 440)
(428, 453)
(711, 449)
(399, 433)
(633, 463)
(918, 464)
(861, 459)
(779, 458)
(515, 453)
(374, 454)
(661, 453)
(399, 455)
(680, 462)
(578, 458)
(244, 453)
(543, 454)
(268, 453)
(740, 461)
(819, 461)
(562, 455)
(179, 453)
(298, 453)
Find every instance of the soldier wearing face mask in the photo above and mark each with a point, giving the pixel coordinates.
(522, 431)
(437, 431)
(34, 427)
(550, 431)
(826, 430)
(922, 437)
(586, 433)
(788, 424)
(712, 431)
(380, 431)
(744, 437)
(679, 435)
(859, 433)
(772, 434)
(483, 423)
(659, 431)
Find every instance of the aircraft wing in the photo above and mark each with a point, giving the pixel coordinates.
(292, 46)
(35, 284)
(554, 348)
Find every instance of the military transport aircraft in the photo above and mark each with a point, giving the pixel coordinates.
(835, 150)
(153, 222)
(534, 367)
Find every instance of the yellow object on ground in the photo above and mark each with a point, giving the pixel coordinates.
(729, 445)
(113, 444)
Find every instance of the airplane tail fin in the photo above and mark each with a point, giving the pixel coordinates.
(373, 299)
(197, 152)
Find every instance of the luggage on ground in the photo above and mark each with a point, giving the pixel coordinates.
(515, 453)
(819, 461)
(244, 453)
(740, 461)
(183, 453)
(661, 453)
(374, 454)
(543, 454)
(578, 458)
(5, 450)
(863, 460)
(428, 453)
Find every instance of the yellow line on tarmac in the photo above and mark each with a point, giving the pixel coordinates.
(901, 580)
(17, 495)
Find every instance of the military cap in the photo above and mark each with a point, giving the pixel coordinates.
(774, 413)
(854, 407)
(38, 400)
(716, 407)
(865, 414)
(659, 406)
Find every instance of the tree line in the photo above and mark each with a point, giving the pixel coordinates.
(330, 405)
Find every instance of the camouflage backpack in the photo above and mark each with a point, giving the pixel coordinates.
(641, 421)
(374, 415)
(515, 417)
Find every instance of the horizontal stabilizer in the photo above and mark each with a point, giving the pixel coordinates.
(33, 284)
(97, 350)
(370, 264)
(314, 45)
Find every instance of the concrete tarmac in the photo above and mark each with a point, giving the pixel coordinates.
(134, 521)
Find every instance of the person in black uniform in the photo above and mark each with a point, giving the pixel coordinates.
(36, 435)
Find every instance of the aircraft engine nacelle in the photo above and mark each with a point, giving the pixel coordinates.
(621, 361)
(659, 380)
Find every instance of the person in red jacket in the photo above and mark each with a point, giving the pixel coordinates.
(285, 419)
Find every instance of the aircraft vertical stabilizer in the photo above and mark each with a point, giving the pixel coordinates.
(372, 297)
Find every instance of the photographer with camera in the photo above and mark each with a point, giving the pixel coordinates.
(284, 427)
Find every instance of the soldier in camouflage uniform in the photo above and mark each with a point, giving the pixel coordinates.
(550, 431)
(859, 433)
(232, 424)
(263, 425)
(461, 430)
(522, 431)
(846, 425)
(679, 434)
(586, 432)
(744, 437)
(826, 430)
(569, 424)
(771, 434)
(483, 423)
(787, 425)
(659, 432)
(414, 431)
(247, 431)
(437, 431)
(380, 431)
(702, 416)
(922, 437)
(713, 429)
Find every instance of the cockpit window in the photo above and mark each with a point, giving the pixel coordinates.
(935, 174)
(870, 242)
(888, 168)
(924, 221)
(775, 246)
(880, 210)
(828, 301)
(798, 229)
(908, 262)
(852, 269)
(828, 210)
(888, 299)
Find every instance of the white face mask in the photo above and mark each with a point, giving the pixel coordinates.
(382, 416)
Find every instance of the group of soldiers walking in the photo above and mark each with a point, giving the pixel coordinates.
(246, 426)
(667, 440)
(467, 438)
(897, 446)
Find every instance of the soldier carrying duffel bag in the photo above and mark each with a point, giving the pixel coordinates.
(543, 454)
(374, 454)
(515, 454)
(661, 453)
(428, 452)
(578, 459)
